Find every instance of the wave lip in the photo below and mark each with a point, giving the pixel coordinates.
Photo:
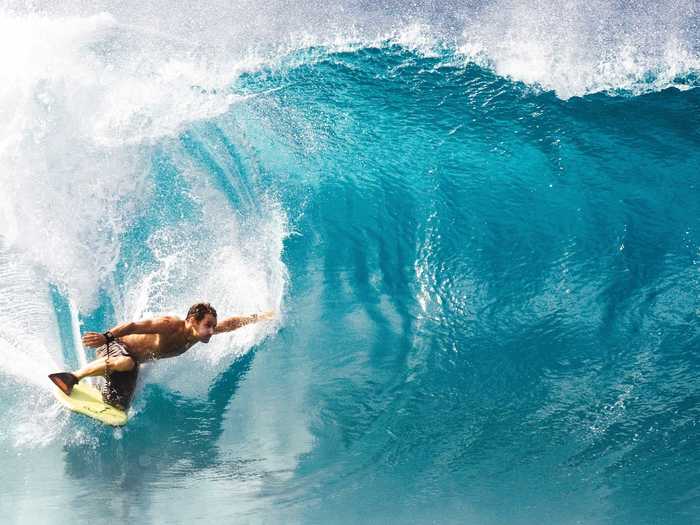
(577, 48)
(626, 70)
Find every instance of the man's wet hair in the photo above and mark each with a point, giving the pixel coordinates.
(199, 310)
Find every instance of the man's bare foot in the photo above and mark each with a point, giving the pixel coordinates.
(65, 381)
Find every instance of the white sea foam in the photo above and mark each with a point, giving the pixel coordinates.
(79, 113)
(29, 349)
(576, 48)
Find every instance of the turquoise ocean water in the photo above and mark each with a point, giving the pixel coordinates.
(480, 224)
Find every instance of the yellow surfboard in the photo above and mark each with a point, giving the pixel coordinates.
(87, 400)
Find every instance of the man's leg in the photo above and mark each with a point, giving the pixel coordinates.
(119, 387)
(98, 366)
(66, 380)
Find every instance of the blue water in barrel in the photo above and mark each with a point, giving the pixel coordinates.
(485, 261)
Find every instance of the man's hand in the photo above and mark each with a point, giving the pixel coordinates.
(266, 316)
(93, 339)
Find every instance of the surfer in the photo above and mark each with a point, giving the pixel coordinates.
(122, 349)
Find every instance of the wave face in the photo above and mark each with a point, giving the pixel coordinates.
(480, 226)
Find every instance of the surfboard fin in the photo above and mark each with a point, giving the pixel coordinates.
(65, 381)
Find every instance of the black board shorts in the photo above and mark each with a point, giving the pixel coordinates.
(119, 387)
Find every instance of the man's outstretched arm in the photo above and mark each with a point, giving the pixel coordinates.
(159, 325)
(232, 323)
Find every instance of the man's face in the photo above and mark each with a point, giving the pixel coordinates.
(205, 327)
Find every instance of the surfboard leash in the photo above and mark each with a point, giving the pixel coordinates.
(109, 337)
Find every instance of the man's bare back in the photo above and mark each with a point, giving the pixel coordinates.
(172, 342)
(170, 337)
(125, 346)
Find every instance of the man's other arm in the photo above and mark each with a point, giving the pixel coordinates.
(233, 323)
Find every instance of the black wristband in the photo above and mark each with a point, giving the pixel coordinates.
(109, 336)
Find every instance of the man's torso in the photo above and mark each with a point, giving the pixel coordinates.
(146, 347)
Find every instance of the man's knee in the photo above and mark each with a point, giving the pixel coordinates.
(121, 364)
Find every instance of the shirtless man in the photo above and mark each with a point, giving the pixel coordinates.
(122, 349)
